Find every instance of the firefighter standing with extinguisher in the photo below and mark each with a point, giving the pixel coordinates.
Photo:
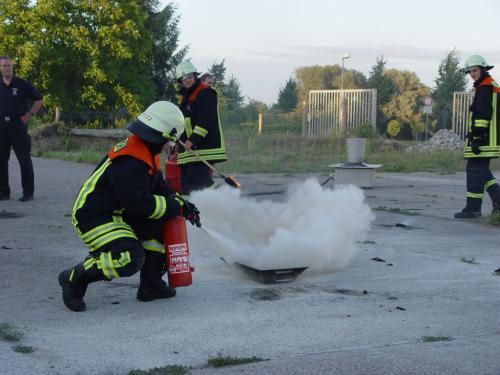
(203, 131)
(120, 209)
(483, 139)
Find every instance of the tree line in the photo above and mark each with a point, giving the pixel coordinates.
(400, 94)
(108, 57)
(100, 55)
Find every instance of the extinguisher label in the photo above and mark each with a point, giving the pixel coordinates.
(179, 258)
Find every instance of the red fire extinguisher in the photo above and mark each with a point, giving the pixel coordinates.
(175, 234)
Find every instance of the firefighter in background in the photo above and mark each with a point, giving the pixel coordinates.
(483, 139)
(202, 133)
(120, 209)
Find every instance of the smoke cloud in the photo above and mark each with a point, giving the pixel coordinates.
(315, 227)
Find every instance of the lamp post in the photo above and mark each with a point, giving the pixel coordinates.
(344, 57)
(342, 99)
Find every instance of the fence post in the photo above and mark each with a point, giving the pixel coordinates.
(374, 108)
(304, 118)
(260, 123)
(343, 117)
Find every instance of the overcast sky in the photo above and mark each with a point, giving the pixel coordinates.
(264, 41)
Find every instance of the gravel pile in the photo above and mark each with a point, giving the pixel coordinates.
(443, 139)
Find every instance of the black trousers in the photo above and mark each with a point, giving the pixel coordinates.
(124, 257)
(480, 178)
(14, 135)
(195, 176)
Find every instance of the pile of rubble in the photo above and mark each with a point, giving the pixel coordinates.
(443, 139)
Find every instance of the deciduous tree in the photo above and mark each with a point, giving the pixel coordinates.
(406, 105)
(326, 77)
(99, 55)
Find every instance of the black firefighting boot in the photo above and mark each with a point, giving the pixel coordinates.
(152, 286)
(467, 214)
(74, 282)
(472, 209)
(496, 208)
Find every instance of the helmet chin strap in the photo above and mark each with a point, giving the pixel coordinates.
(155, 148)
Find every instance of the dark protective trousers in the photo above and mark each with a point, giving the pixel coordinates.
(195, 176)
(15, 135)
(124, 257)
(480, 178)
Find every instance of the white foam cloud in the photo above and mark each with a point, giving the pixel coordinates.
(314, 227)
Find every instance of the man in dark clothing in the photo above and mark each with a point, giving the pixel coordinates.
(120, 209)
(202, 137)
(483, 139)
(14, 114)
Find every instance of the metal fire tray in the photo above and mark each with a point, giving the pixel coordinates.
(284, 275)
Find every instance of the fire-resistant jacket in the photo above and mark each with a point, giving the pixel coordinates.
(484, 119)
(127, 183)
(202, 125)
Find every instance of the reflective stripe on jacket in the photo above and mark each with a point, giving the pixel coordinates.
(127, 184)
(483, 120)
(202, 125)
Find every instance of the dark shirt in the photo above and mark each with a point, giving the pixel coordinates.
(14, 97)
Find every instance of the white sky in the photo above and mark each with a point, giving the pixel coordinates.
(264, 41)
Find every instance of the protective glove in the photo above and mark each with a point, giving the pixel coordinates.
(192, 214)
(182, 207)
(474, 145)
(174, 204)
(475, 142)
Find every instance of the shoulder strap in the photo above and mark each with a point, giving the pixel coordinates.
(196, 91)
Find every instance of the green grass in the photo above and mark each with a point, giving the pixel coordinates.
(285, 152)
(492, 219)
(10, 333)
(79, 156)
(436, 338)
(442, 161)
(165, 370)
(227, 360)
(23, 349)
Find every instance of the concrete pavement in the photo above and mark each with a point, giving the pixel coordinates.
(372, 317)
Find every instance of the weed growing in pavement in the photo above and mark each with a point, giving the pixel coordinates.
(10, 333)
(469, 260)
(23, 349)
(492, 219)
(436, 338)
(227, 360)
(165, 370)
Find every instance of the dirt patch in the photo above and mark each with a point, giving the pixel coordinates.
(10, 215)
(265, 294)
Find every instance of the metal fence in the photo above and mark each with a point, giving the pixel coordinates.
(340, 111)
(460, 120)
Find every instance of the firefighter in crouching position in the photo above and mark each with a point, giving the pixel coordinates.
(483, 139)
(120, 209)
